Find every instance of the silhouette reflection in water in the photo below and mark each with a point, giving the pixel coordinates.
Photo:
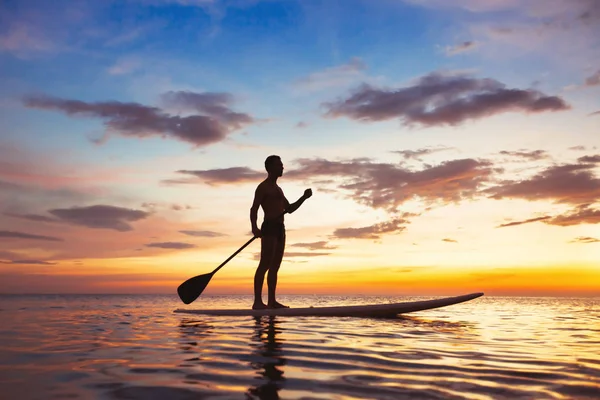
(267, 359)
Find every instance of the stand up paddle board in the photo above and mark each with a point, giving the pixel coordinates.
(372, 310)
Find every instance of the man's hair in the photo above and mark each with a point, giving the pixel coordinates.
(270, 160)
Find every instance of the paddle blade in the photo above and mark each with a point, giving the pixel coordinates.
(189, 290)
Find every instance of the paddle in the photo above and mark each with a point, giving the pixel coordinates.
(192, 288)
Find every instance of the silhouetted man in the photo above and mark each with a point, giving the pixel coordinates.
(270, 197)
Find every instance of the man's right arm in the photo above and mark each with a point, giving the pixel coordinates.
(258, 196)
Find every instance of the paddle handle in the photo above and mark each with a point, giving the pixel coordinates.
(242, 248)
(234, 254)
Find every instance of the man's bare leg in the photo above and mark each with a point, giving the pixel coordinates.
(272, 276)
(267, 249)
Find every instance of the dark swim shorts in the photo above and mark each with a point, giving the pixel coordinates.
(273, 228)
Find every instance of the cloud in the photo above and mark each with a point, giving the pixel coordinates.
(21, 235)
(124, 66)
(186, 3)
(593, 80)
(202, 233)
(9, 185)
(569, 183)
(136, 120)
(322, 245)
(32, 217)
(589, 159)
(527, 221)
(461, 48)
(171, 245)
(534, 155)
(449, 240)
(378, 185)
(100, 216)
(577, 148)
(8, 255)
(375, 231)
(581, 215)
(381, 185)
(305, 254)
(179, 207)
(437, 99)
(215, 105)
(301, 124)
(585, 239)
(221, 176)
(560, 31)
(338, 76)
(295, 254)
(23, 38)
(416, 154)
(470, 5)
(595, 113)
(28, 262)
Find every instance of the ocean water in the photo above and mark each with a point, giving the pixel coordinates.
(135, 347)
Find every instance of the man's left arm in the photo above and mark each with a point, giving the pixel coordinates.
(294, 206)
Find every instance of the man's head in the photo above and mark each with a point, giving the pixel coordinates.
(273, 165)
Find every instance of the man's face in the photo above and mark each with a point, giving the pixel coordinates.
(278, 167)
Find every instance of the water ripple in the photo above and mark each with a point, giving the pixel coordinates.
(134, 347)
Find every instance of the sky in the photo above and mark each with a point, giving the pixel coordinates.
(451, 146)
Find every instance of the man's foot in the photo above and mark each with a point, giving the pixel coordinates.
(277, 305)
(259, 306)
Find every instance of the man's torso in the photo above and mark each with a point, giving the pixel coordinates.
(273, 201)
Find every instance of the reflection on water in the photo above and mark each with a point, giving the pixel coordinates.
(269, 360)
(134, 347)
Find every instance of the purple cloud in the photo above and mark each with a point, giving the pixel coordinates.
(375, 231)
(100, 217)
(31, 217)
(22, 235)
(438, 99)
(581, 215)
(378, 185)
(417, 154)
(585, 239)
(594, 79)
(222, 176)
(461, 48)
(534, 155)
(322, 245)
(171, 245)
(215, 105)
(569, 183)
(28, 262)
(136, 120)
(527, 221)
(589, 159)
(381, 185)
(202, 233)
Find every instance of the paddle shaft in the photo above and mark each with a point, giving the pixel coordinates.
(233, 255)
(242, 248)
